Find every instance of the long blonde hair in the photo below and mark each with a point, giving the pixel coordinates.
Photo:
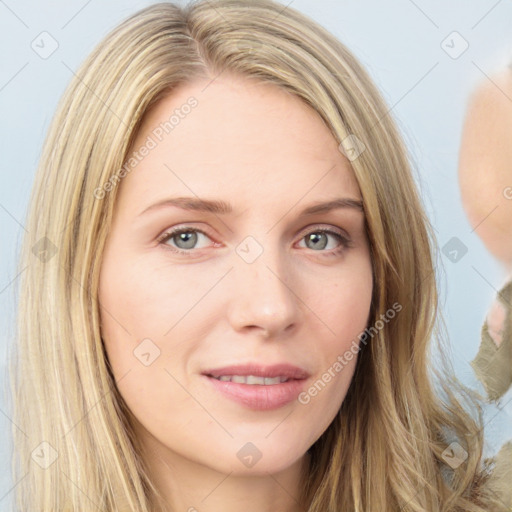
(384, 450)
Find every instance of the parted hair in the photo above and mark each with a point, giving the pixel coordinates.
(384, 449)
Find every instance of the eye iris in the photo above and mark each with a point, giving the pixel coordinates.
(188, 237)
(315, 237)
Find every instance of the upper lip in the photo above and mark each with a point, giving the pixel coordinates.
(259, 370)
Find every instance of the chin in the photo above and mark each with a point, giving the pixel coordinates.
(249, 461)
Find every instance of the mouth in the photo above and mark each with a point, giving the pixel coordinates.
(258, 387)
(251, 379)
(252, 371)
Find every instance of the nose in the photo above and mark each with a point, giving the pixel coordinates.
(261, 301)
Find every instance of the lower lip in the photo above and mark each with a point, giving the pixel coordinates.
(260, 397)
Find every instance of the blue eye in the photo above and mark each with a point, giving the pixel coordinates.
(318, 240)
(185, 239)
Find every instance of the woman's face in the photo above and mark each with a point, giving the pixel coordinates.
(263, 280)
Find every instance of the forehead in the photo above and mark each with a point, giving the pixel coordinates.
(240, 138)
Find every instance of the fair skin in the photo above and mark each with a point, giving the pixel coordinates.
(302, 301)
(485, 165)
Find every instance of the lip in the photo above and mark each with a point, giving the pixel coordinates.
(255, 396)
(258, 370)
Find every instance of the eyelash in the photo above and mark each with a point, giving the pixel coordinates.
(345, 243)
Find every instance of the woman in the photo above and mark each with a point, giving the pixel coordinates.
(282, 363)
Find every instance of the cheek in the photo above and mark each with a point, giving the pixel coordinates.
(150, 326)
(343, 302)
(140, 299)
(137, 310)
(155, 398)
(344, 308)
(131, 311)
(129, 292)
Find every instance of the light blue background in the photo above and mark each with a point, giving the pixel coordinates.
(399, 42)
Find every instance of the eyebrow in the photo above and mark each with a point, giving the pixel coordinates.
(223, 208)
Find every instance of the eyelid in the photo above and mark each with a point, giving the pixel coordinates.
(329, 228)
